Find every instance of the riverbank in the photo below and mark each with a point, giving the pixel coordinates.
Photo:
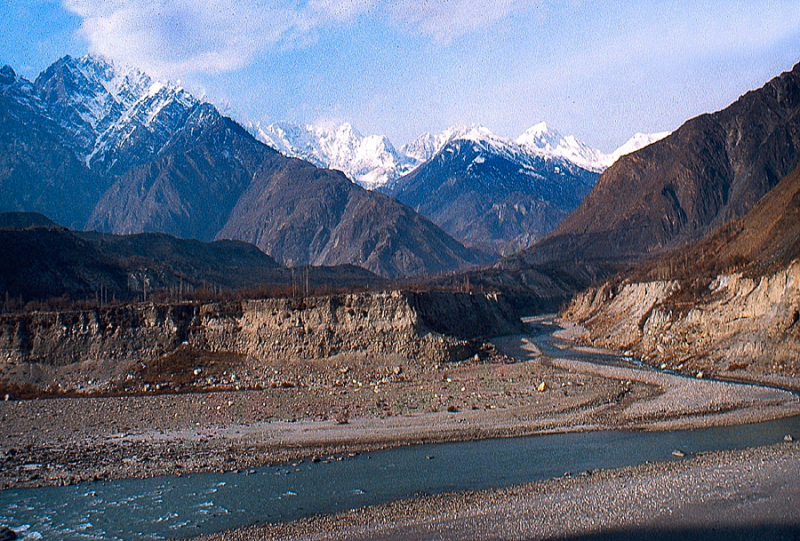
(379, 405)
(728, 495)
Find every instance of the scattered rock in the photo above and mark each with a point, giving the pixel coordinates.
(788, 437)
(678, 453)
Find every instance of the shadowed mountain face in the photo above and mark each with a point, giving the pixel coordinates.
(189, 188)
(494, 198)
(43, 260)
(714, 168)
(765, 240)
(95, 147)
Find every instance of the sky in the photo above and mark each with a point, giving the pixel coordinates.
(599, 70)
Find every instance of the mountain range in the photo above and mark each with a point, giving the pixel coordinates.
(493, 194)
(96, 146)
(374, 162)
(666, 196)
(488, 192)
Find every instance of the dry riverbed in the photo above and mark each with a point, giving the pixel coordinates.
(350, 404)
(353, 404)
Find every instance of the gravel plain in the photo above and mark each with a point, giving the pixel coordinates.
(70, 440)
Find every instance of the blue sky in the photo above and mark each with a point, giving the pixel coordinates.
(599, 70)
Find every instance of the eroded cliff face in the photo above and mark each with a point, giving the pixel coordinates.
(139, 339)
(736, 325)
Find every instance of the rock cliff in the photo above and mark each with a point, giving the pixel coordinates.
(121, 342)
(733, 326)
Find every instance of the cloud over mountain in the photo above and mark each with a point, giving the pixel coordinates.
(170, 37)
(191, 36)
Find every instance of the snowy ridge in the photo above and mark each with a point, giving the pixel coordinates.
(373, 162)
(102, 104)
(547, 143)
(637, 142)
(369, 161)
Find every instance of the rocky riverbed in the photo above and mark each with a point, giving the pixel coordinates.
(752, 494)
(356, 403)
(350, 403)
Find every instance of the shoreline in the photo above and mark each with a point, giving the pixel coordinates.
(743, 494)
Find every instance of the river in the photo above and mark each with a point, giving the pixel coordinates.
(166, 507)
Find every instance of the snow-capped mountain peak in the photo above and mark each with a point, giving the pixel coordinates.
(102, 105)
(539, 136)
(370, 161)
(543, 141)
(373, 162)
(421, 149)
(638, 141)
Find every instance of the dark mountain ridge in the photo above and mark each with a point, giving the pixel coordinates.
(95, 147)
(493, 199)
(44, 260)
(712, 169)
(762, 242)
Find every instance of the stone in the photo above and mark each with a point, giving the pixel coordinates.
(678, 453)
(788, 437)
(542, 387)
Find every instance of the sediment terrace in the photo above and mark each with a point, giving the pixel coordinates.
(199, 345)
(734, 326)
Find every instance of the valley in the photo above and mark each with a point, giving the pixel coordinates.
(184, 294)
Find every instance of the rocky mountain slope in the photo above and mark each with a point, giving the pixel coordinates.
(43, 260)
(727, 305)
(492, 194)
(97, 146)
(713, 168)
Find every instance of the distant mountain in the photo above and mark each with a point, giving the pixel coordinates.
(91, 144)
(369, 161)
(714, 168)
(43, 260)
(374, 163)
(540, 140)
(638, 141)
(491, 193)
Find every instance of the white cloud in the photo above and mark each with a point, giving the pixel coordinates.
(445, 20)
(182, 37)
(178, 37)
